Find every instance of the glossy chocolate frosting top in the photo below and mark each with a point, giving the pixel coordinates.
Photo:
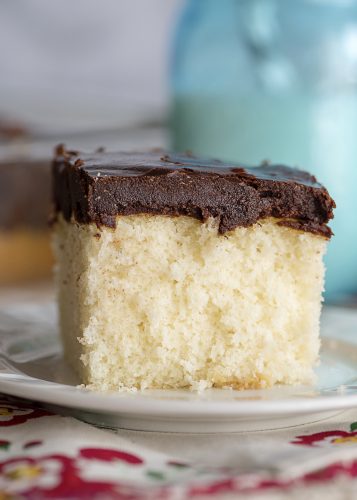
(98, 187)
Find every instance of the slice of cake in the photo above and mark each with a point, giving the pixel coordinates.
(179, 272)
(25, 193)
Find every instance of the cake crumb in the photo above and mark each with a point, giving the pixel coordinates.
(160, 306)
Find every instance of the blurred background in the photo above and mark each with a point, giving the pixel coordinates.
(241, 80)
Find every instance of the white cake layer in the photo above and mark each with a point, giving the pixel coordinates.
(167, 302)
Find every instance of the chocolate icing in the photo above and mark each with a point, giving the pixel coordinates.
(25, 193)
(98, 187)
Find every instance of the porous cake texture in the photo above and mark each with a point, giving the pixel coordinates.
(167, 302)
(155, 300)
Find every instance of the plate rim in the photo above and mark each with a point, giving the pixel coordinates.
(138, 404)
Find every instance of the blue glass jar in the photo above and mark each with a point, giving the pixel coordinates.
(277, 80)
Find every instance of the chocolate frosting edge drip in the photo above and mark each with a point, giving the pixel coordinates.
(238, 199)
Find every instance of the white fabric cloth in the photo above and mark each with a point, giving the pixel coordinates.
(49, 456)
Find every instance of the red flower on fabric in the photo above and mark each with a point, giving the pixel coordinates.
(31, 444)
(15, 413)
(254, 483)
(59, 476)
(328, 438)
(110, 455)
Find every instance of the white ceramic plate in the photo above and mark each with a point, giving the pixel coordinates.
(32, 366)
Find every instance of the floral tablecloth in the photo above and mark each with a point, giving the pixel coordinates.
(44, 455)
